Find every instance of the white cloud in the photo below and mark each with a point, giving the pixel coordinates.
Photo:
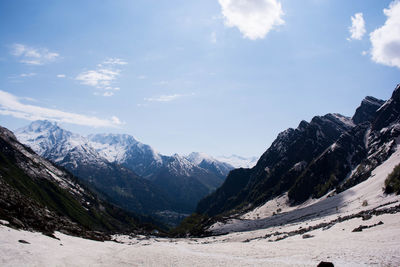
(163, 98)
(386, 39)
(12, 106)
(33, 56)
(99, 78)
(357, 28)
(104, 76)
(61, 76)
(253, 18)
(142, 77)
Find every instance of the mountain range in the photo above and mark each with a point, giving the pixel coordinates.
(129, 173)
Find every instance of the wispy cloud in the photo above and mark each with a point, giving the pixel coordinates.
(386, 39)
(254, 18)
(142, 77)
(114, 61)
(24, 75)
(103, 76)
(61, 76)
(163, 98)
(12, 106)
(33, 56)
(357, 28)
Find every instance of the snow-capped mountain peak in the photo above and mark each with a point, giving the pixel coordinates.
(52, 142)
(113, 147)
(239, 161)
(197, 157)
(126, 150)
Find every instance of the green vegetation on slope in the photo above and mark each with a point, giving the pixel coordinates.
(392, 182)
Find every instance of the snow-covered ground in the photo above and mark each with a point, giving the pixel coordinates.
(378, 245)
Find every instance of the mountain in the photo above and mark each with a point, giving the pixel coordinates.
(146, 161)
(329, 154)
(127, 151)
(184, 179)
(217, 167)
(35, 194)
(75, 153)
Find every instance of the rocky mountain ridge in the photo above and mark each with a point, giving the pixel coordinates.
(330, 152)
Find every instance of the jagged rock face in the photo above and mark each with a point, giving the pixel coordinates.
(389, 113)
(281, 164)
(381, 139)
(330, 152)
(366, 111)
(35, 194)
(330, 168)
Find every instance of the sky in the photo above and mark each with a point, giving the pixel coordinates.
(216, 76)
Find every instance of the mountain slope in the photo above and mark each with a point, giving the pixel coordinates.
(35, 194)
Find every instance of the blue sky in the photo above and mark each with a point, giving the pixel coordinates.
(221, 77)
